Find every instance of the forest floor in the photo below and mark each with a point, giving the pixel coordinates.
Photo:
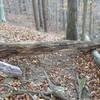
(62, 66)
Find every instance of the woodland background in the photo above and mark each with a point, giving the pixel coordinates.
(52, 20)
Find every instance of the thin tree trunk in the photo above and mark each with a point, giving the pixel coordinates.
(63, 14)
(40, 13)
(93, 30)
(2, 12)
(84, 18)
(19, 4)
(44, 12)
(90, 17)
(36, 14)
(93, 18)
(9, 7)
(72, 20)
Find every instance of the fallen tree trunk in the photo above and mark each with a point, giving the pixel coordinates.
(35, 48)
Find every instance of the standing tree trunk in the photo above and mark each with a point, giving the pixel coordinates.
(72, 20)
(42, 6)
(44, 12)
(2, 12)
(63, 14)
(40, 14)
(84, 18)
(90, 17)
(36, 14)
(93, 16)
(8, 6)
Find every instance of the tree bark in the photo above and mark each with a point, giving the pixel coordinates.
(84, 18)
(2, 12)
(44, 12)
(35, 48)
(40, 13)
(36, 14)
(91, 17)
(72, 20)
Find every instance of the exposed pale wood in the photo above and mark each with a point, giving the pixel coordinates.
(11, 69)
(34, 48)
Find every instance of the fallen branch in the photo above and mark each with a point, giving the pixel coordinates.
(57, 91)
(12, 90)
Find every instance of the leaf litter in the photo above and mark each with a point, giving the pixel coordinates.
(60, 71)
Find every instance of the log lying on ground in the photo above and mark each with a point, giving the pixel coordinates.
(10, 69)
(35, 48)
